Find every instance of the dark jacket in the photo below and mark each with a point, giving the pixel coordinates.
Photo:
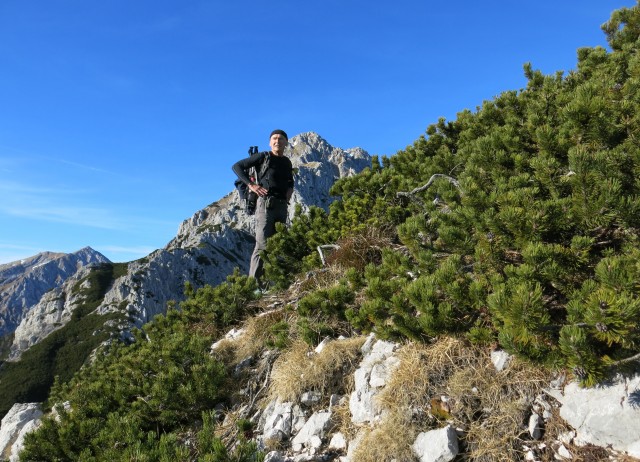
(277, 179)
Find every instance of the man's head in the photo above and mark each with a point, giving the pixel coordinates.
(278, 140)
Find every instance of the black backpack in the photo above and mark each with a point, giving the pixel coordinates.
(249, 197)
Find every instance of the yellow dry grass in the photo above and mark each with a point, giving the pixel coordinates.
(257, 331)
(327, 277)
(299, 369)
(341, 418)
(485, 402)
(386, 443)
(492, 406)
(362, 248)
(422, 375)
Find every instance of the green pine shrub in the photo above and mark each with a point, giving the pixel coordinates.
(510, 215)
(216, 308)
(322, 312)
(135, 401)
(293, 249)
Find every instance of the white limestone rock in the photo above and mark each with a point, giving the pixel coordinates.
(436, 445)
(338, 441)
(280, 420)
(310, 398)
(370, 378)
(18, 446)
(536, 423)
(21, 419)
(352, 447)
(562, 453)
(500, 359)
(313, 431)
(274, 456)
(607, 415)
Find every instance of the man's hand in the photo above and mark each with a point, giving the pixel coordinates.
(259, 190)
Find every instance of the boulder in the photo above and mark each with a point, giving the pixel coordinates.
(536, 423)
(500, 359)
(280, 420)
(436, 445)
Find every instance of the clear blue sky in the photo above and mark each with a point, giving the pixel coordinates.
(119, 119)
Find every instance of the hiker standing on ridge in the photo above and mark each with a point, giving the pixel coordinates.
(274, 190)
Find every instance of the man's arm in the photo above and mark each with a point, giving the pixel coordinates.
(290, 188)
(240, 167)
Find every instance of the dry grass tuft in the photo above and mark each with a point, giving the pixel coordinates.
(341, 418)
(494, 407)
(489, 404)
(327, 277)
(258, 331)
(419, 377)
(497, 436)
(423, 375)
(386, 444)
(360, 249)
(299, 369)
(409, 385)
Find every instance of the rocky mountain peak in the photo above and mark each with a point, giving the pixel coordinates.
(24, 282)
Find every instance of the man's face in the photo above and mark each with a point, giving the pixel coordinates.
(278, 143)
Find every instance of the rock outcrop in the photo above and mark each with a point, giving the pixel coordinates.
(20, 420)
(607, 415)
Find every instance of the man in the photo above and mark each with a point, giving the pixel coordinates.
(274, 190)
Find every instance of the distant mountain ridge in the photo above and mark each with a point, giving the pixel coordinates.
(206, 249)
(24, 282)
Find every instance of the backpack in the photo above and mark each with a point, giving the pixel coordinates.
(249, 197)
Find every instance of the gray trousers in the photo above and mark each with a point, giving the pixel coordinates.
(265, 227)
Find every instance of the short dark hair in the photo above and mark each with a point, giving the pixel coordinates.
(279, 132)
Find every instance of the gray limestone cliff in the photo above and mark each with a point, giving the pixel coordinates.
(207, 248)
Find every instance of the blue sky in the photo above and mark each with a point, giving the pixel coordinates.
(120, 119)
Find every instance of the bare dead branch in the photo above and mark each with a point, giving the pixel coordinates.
(628, 360)
(327, 246)
(434, 177)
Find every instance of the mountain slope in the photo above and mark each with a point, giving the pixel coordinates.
(530, 245)
(23, 283)
(95, 304)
